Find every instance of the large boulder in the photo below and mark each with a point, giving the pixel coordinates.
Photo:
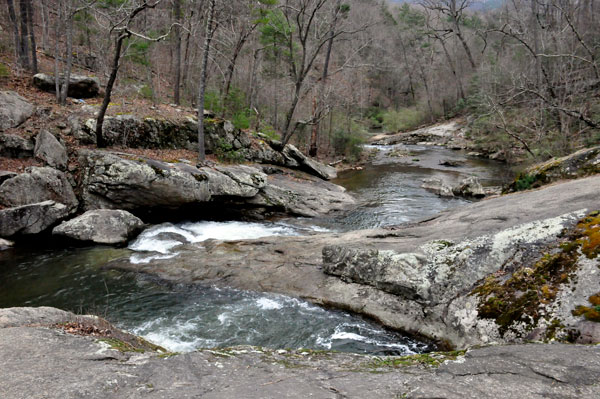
(135, 132)
(122, 181)
(31, 218)
(102, 226)
(50, 150)
(14, 110)
(12, 146)
(38, 185)
(79, 86)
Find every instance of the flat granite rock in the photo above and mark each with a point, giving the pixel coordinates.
(41, 360)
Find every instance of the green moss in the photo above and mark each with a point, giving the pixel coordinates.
(520, 298)
(433, 359)
(121, 346)
(589, 229)
(591, 313)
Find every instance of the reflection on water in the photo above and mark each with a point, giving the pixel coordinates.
(389, 192)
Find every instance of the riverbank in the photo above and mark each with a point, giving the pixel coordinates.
(105, 367)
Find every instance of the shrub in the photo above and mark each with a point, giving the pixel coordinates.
(146, 92)
(4, 71)
(225, 153)
(403, 119)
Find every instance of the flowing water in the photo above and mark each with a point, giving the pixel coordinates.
(183, 317)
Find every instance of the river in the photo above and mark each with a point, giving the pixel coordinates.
(183, 317)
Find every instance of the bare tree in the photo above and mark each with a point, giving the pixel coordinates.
(210, 30)
(121, 25)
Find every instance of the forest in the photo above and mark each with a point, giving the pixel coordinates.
(523, 74)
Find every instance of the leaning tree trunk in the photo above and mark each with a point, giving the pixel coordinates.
(100, 142)
(202, 88)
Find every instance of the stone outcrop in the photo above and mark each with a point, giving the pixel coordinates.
(14, 110)
(134, 132)
(221, 138)
(38, 185)
(102, 226)
(79, 86)
(113, 364)
(582, 163)
(122, 181)
(12, 146)
(457, 277)
(32, 218)
(50, 150)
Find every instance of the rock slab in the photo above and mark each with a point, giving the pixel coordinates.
(90, 367)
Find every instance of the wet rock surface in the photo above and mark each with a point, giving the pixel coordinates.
(97, 367)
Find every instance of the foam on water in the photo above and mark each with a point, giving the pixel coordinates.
(227, 317)
(160, 241)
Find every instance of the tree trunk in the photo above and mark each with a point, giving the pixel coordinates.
(34, 64)
(460, 36)
(314, 138)
(45, 26)
(231, 67)
(459, 87)
(24, 39)
(100, 142)
(13, 20)
(57, 25)
(177, 83)
(203, 76)
(64, 92)
(288, 130)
